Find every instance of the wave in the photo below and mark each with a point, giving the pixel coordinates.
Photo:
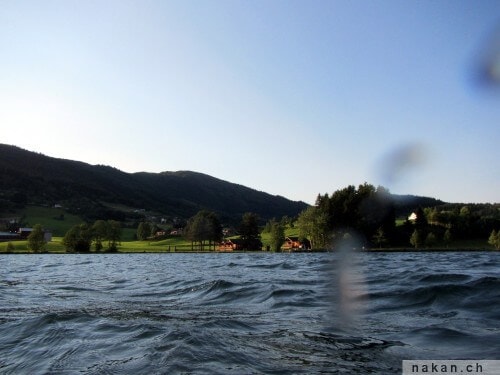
(204, 342)
(487, 282)
(448, 290)
(240, 313)
(444, 277)
(285, 265)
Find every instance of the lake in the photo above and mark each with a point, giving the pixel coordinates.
(245, 313)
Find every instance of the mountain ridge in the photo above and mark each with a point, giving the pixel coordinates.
(90, 190)
(33, 177)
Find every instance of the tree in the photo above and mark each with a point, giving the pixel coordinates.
(70, 238)
(447, 237)
(113, 235)
(287, 221)
(36, 239)
(379, 237)
(430, 240)
(204, 226)
(154, 229)
(143, 231)
(78, 238)
(249, 231)
(99, 232)
(267, 227)
(343, 208)
(494, 239)
(432, 214)
(465, 211)
(277, 236)
(421, 220)
(313, 225)
(363, 210)
(416, 239)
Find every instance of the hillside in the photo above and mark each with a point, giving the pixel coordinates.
(95, 191)
(404, 204)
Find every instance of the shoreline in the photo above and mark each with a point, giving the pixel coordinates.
(370, 250)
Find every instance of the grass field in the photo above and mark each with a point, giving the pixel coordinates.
(55, 219)
(180, 245)
(56, 246)
(400, 221)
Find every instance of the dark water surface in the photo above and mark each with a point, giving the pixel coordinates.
(245, 313)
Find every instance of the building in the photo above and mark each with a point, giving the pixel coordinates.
(230, 245)
(294, 244)
(24, 232)
(8, 236)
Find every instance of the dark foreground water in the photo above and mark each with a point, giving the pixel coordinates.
(245, 313)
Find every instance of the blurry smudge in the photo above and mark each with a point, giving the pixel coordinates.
(486, 66)
(400, 162)
(349, 286)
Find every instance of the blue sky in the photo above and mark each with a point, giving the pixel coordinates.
(293, 98)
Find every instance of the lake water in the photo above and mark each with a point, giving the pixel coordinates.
(246, 313)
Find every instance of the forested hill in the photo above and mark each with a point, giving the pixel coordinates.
(404, 204)
(29, 177)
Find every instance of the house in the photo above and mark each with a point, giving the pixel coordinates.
(293, 244)
(7, 236)
(412, 217)
(230, 245)
(24, 232)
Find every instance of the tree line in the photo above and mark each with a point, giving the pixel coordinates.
(205, 230)
(366, 213)
(369, 213)
(103, 235)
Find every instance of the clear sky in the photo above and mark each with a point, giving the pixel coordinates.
(289, 97)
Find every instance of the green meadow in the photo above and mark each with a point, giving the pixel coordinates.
(55, 219)
(178, 244)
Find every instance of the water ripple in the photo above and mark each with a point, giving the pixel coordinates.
(243, 313)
